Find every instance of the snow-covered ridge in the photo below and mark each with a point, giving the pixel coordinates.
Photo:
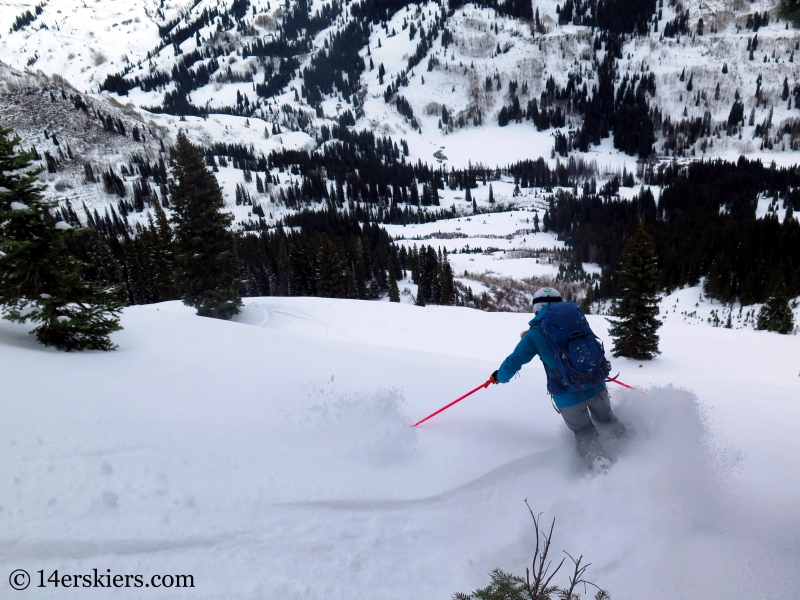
(457, 74)
(77, 136)
(48, 114)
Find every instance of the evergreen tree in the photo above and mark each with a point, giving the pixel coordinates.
(161, 259)
(586, 302)
(40, 281)
(136, 280)
(207, 264)
(449, 293)
(776, 314)
(635, 330)
(420, 299)
(103, 265)
(491, 194)
(414, 194)
(396, 262)
(331, 270)
(790, 10)
(360, 272)
(394, 291)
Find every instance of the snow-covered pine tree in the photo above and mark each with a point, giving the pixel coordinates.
(207, 264)
(40, 281)
(634, 330)
(776, 314)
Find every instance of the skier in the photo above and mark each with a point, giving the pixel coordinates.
(589, 402)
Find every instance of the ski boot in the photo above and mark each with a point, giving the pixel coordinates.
(600, 465)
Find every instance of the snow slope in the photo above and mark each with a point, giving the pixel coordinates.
(272, 458)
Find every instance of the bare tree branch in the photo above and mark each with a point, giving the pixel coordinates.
(540, 566)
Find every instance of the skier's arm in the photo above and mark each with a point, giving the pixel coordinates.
(522, 354)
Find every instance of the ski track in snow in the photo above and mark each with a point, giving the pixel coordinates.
(276, 317)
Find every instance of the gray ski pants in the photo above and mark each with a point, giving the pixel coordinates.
(581, 419)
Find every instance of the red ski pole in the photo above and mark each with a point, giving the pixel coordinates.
(625, 385)
(480, 387)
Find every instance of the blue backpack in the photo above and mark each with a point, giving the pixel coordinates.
(579, 353)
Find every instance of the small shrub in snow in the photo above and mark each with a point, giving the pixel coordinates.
(98, 58)
(536, 585)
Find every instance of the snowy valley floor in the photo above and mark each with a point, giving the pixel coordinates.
(272, 458)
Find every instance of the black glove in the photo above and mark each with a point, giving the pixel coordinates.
(494, 378)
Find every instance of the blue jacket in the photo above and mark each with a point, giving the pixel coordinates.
(534, 343)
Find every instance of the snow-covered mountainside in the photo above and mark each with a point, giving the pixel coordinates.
(272, 457)
(85, 44)
(238, 72)
(86, 134)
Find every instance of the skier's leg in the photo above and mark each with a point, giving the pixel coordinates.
(600, 408)
(580, 423)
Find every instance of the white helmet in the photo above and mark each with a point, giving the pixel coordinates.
(543, 296)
